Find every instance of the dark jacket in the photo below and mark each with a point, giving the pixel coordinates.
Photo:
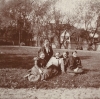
(74, 62)
(41, 63)
(47, 55)
(66, 63)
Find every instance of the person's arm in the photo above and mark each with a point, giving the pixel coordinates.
(50, 62)
(45, 63)
(40, 50)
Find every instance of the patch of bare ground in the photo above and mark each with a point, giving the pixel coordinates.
(61, 93)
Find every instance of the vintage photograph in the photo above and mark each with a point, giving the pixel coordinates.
(49, 49)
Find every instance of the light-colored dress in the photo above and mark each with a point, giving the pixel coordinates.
(34, 75)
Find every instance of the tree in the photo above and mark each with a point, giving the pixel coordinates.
(39, 17)
(15, 13)
(87, 18)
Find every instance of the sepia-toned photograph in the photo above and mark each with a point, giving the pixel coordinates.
(49, 49)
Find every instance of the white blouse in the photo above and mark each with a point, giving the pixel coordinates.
(56, 62)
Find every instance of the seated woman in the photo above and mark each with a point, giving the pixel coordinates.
(46, 49)
(36, 72)
(56, 63)
(75, 65)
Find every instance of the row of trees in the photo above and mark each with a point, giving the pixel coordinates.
(21, 20)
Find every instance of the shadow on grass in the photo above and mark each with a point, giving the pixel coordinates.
(22, 61)
(16, 61)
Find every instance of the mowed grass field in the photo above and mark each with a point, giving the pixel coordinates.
(15, 62)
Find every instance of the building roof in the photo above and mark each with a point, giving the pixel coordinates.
(94, 35)
(67, 33)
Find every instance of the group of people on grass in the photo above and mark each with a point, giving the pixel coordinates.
(47, 65)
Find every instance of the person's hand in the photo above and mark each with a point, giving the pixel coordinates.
(35, 58)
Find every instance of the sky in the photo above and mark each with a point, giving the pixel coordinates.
(68, 5)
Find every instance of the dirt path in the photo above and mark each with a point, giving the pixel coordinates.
(89, 93)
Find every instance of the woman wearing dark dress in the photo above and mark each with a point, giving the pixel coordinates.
(47, 50)
(36, 72)
(75, 65)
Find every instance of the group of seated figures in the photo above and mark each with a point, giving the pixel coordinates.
(47, 66)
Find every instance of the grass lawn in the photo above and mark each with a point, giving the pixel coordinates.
(15, 61)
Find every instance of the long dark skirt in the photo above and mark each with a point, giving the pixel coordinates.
(49, 72)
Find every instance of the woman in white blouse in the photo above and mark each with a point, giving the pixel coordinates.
(56, 62)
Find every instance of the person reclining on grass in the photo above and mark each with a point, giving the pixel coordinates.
(75, 65)
(56, 62)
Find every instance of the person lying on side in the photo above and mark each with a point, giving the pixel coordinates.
(75, 65)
